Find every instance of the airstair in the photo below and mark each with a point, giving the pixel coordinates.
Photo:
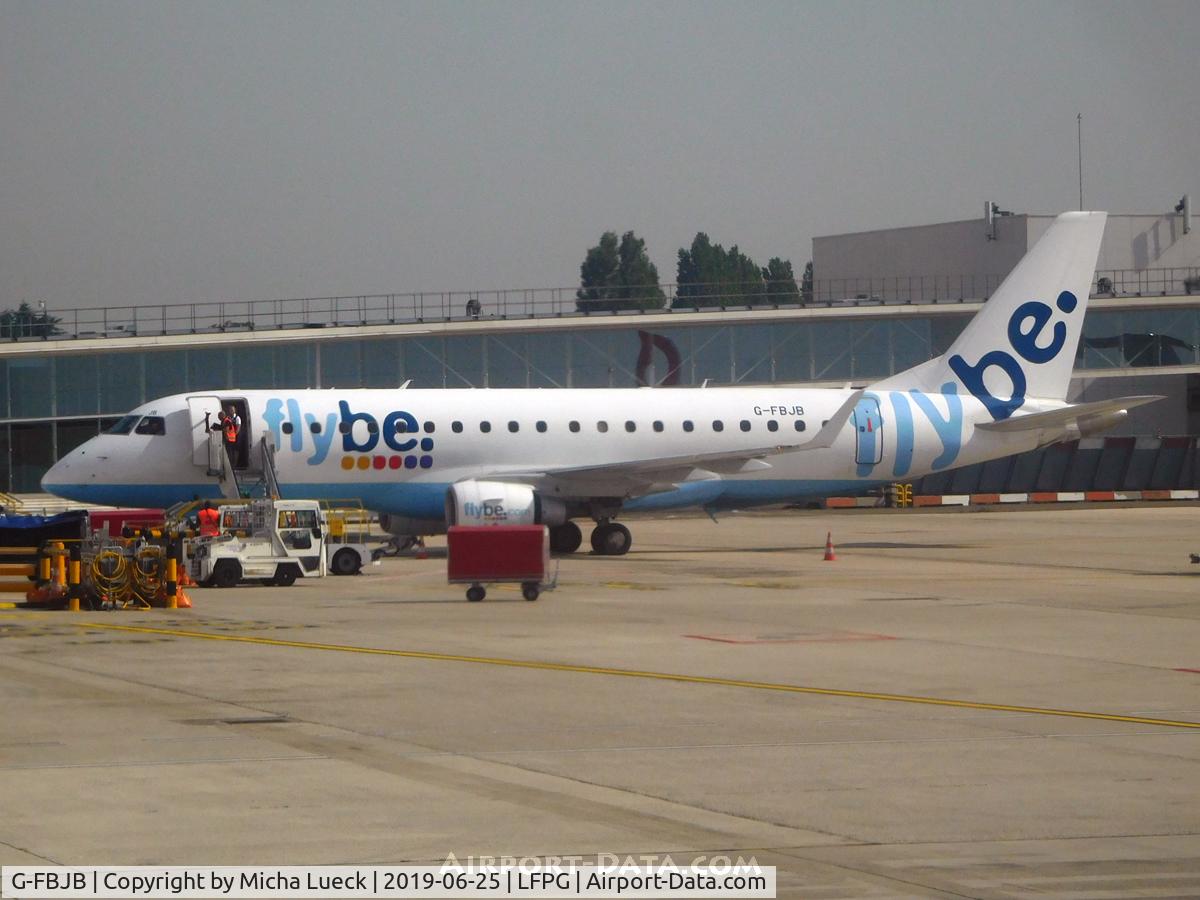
(257, 479)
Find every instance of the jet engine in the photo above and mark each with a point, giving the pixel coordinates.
(501, 503)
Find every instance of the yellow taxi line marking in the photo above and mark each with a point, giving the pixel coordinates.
(654, 676)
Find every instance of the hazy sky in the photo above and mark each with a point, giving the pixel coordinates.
(162, 152)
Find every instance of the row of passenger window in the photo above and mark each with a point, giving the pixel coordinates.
(154, 425)
(574, 426)
(372, 427)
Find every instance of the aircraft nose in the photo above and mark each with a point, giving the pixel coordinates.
(57, 475)
(74, 469)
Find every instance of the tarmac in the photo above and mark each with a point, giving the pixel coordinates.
(965, 703)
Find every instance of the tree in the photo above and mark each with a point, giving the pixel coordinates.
(616, 276)
(780, 282)
(710, 275)
(24, 322)
(806, 284)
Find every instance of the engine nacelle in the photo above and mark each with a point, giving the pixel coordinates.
(501, 503)
(404, 525)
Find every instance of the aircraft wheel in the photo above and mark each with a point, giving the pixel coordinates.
(529, 590)
(345, 562)
(475, 593)
(226, 573)
(565, 538)
(611, 539)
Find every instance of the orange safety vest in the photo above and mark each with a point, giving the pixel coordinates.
(210, 521)
(229, 426)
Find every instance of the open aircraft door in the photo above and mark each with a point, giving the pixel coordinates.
(205, 450)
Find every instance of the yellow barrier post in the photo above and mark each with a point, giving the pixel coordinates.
(73, 572)
(172, 582)
(43, 569)
(60, 564)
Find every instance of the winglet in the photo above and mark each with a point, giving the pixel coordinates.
(832, 428)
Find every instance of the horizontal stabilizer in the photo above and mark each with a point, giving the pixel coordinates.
(1066, 415)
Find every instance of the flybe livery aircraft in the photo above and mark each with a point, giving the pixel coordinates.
(428, 458)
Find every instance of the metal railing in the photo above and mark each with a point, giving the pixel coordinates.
(1146, 282)
(389, 309)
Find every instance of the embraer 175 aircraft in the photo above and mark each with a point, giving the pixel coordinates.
(427, 458)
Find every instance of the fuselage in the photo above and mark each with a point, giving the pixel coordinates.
(397, 451)
(411, 453)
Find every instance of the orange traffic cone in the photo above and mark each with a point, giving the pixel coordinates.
(830, 556)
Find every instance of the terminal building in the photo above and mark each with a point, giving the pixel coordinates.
(881, 302)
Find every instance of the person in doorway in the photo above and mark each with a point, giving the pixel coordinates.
(231, 426)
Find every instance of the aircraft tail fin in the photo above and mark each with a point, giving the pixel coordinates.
(1023, 342)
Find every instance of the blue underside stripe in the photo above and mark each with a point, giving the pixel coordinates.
(427, 500)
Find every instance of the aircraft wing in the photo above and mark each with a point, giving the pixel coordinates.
(627, 478)
(1065, 416)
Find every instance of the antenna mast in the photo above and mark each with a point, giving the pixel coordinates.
(1079, 123)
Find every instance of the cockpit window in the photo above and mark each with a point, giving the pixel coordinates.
(123, 425)
(151, 425)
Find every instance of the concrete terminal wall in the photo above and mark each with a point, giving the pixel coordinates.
(959, 251)
(953, 250)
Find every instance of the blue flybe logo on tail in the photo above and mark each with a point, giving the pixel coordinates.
(366, 446)
(1025, 329)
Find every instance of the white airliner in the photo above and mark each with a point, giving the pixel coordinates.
(427, 458)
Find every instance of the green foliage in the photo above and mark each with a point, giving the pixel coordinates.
(806, 284)
(617, 276)
(780, 282)
(710, 275)
(24, 322)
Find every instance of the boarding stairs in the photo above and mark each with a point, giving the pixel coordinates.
(257, 479)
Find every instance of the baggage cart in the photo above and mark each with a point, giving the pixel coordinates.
(491, 554)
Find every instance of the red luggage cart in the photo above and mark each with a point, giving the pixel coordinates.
(479, 554)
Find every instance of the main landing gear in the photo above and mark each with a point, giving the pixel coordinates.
(608, 538)
(611, 539)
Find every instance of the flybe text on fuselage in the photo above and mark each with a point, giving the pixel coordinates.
(399, 432)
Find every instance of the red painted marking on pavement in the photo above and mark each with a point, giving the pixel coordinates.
(832, 637)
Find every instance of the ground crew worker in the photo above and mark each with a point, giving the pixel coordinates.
(231, 425)
(209, 519)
